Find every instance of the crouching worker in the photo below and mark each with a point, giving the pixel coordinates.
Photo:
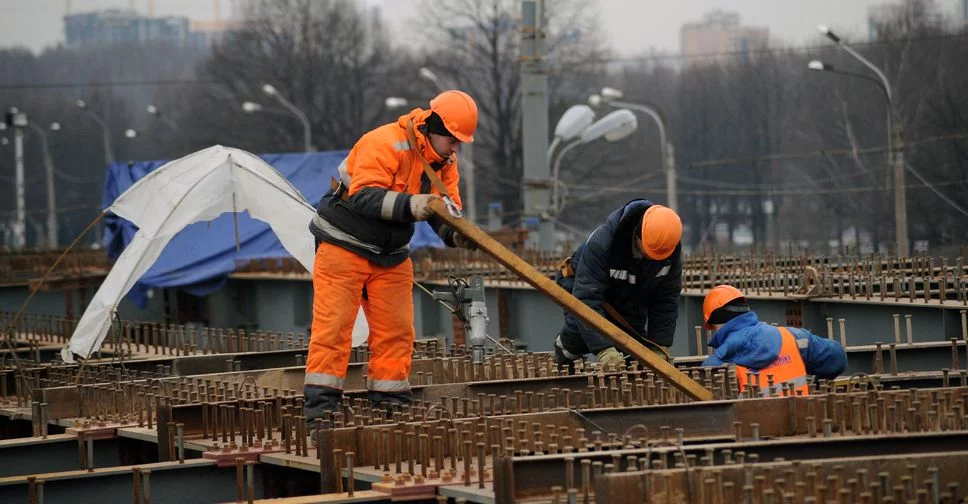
(763, 352)
(630, 271)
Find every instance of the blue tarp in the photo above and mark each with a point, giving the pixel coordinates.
(200, 257)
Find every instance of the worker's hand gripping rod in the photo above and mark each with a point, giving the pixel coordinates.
(560, 296)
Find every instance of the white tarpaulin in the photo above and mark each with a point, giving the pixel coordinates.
(197, 187)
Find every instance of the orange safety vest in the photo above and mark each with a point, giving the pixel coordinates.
(787, 368)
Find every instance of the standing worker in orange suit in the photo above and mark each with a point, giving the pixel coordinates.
(363, 227)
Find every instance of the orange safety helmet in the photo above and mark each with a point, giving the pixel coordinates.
(718, 297)
(661, 232)
(458, 112)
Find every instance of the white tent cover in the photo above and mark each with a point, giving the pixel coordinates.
(198, 187)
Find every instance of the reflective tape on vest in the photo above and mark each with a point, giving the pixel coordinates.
(389, 201)
(338, 234)
(787, 368)
(324, 380)
(778, 387)
(388, 385)
(344, 174)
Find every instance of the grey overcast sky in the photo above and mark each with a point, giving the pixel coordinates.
(633, 26)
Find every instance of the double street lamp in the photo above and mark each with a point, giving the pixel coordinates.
(613, 97)
(106, 134)
(894, 134)
(155, 111)
(576, 128)
(250, 107)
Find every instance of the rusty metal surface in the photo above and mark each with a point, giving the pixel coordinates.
(920, 478)
(532, 476)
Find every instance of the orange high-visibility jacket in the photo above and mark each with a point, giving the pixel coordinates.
(370, 213)
(787, 368)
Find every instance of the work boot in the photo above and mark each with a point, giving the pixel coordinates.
(318, 400)
(561, 359)
(390, 401)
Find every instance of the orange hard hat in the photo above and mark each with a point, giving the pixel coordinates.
(661, 232)
(458, 112)
(718, 297)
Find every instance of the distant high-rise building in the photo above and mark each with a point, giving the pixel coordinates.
(207, 33)
(963, 10)
(720, 32)
(120, 26)
(117, 26)
(880, 15)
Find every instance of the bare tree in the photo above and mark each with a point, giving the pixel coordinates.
(328, 57)
(476, 47)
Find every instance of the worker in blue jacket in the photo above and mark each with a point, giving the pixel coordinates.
(787, 354)
(630, 271)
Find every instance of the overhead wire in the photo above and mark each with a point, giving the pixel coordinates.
(598, 61)
(715, 163)
(766, 51)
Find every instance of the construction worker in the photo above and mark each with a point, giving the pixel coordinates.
(763, 352)
(363, 227)
(630, 271)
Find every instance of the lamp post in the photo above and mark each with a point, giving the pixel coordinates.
(894, 136)
(612, 97)
(615, 126)
(466, 155)
(106, 134)
(49, 173)
(18, 121)
(570, 126)
(155, 111)
(307, 132)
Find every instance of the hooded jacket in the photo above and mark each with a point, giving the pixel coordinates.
(610, 267)
(746, 341)
(379, 175)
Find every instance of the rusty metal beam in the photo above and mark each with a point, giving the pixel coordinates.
(532, 476)
(921, 478)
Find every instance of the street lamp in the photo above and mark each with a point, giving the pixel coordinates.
(466, 154)
(821, 66)
(428, 74)
(250, 107)
(393, 102)
(131, 133)
(307, 134)
(106, 137)
(153, 110)
(613, 97)
(615, 126)
(894, 135)
(49, 173)
(570, 126)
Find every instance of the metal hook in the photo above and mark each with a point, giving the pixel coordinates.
(452, 207)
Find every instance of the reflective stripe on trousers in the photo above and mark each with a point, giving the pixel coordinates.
(388, 385)
(324, 380)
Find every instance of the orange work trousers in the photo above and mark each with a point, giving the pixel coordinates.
(338, 280)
